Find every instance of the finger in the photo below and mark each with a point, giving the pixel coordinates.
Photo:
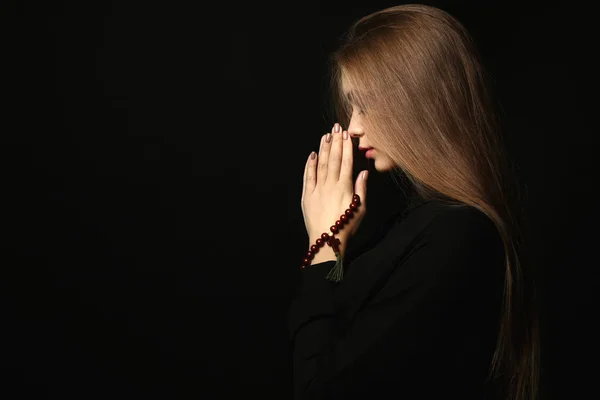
(322, 159)
(310, 174)
(360, 188)
(335, 157)
(347, 158)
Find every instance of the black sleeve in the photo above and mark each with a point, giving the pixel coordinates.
(411, 326)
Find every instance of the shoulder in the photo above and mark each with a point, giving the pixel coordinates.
(463, 236)
(462, 224)
(460, 250)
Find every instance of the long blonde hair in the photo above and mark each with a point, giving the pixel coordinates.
(416, 73)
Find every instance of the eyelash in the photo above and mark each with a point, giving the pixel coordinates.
(360, 111)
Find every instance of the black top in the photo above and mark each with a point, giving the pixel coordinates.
(416, 315)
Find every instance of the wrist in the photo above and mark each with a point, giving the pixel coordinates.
(323, 255)
(326, 252)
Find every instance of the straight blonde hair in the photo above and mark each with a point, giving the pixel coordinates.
(416, 73)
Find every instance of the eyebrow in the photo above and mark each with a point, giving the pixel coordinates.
(349, 96)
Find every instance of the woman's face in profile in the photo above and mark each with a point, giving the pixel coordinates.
(382, 162)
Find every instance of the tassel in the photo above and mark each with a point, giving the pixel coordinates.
(337, 272)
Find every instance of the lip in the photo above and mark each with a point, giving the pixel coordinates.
(369, 151)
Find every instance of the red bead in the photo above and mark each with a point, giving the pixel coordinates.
(320, 242)
(335, 244)
(339, 223)
(334, 229)
(325, 236)
(309, 255)
(356, 197)
(349, 212)
(353, 206)
(306, 261)
(314, 248)
(344, 218)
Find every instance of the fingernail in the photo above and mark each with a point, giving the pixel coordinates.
(328, 138)
(313, 155)
(364, 174)
(345, 134)
(336, 128)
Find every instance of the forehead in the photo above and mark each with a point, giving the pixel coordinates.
(348, 90)
(345, 86)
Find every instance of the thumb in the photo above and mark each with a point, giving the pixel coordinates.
(360, 187)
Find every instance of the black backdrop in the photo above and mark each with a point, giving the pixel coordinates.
(152, 162)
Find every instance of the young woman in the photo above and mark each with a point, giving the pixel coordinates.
(442, 305)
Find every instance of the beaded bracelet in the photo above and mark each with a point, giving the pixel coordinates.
(337, 272)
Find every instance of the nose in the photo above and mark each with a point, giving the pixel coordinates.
(354, 132)
(355, 129)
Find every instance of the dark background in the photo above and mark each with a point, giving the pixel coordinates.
(152, 158)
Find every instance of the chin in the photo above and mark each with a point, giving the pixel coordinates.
(383, 165)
